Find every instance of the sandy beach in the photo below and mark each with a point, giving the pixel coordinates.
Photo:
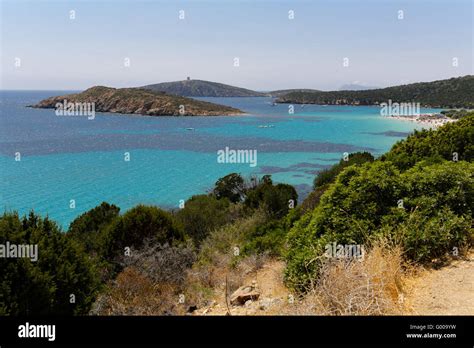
(430, 120)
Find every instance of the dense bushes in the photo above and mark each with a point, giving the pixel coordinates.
(72, 266)
(435, 144)
(63, 280)
(411, 195)
(276, 200)
(328, 176)
(425, 236)
(231, 186)
(92, 254)
(202, 214)
(88, 227)
(137, 225)
(455, 113)
(428, 209)
(268, 238)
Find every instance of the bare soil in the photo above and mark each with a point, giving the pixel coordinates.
(445, 291)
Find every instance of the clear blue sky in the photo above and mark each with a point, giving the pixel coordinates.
(275, 52)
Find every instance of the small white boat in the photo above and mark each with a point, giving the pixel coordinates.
(190, 129)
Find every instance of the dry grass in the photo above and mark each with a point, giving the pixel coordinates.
(132, 293)
(151, 283)
(370, 286)
(206, 282)
(219, 271)
(217, 257)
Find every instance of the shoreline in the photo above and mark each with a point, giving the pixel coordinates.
(429, 120)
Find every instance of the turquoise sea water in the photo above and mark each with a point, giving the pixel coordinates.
(64, 158)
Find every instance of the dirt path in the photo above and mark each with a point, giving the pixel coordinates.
(446, 291)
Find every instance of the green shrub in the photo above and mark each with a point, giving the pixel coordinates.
(221, 242)
(365, 200)
(276, 200)
(456, 114)
(255, 195)
(45, 286)
(279, 199)
(441, 143)
(313, 199)
(268, 238)
(425, 235)
(202, 214)
(87, 228)
(231, 187)
(139, 224)
(328, 176)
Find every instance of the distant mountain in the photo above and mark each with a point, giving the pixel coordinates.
(456, 92)
(281, 92)
(355, 87)
(200, 88)
(140, 101)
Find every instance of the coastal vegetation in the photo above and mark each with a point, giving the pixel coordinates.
(456, 113)
(282, 92)
(63, 281)
(451, 93)
(414, 204)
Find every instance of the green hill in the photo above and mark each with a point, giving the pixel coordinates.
(200, 88)
(452, 93)
(282, 92)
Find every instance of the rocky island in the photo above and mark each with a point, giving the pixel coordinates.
(139, 101)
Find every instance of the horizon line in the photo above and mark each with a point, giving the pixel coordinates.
(255, 90)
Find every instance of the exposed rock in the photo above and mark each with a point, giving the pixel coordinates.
(137, 101)
(243, 294)
(265, 303)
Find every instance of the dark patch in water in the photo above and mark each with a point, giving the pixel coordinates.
(189, 141)
(327, 159)
(40, 132)
(390, 134)
(293, 168)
